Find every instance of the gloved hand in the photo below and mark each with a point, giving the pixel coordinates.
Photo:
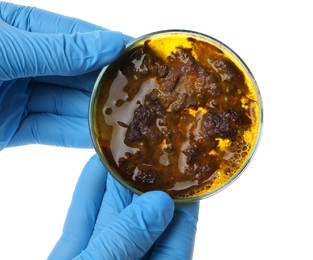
(107, 221)
(48, 67)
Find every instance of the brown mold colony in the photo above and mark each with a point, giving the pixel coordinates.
(182, 117)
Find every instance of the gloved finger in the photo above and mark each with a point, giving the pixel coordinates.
(50, 129)
(83, 82)
(115, 200)
(10, 113)
(178, 240)
(82, 212)
(128, 39)
(46, 98)
(24, 54)
(134, 230)
(37, 20)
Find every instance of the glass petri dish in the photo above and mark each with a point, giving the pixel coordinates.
(178, 111)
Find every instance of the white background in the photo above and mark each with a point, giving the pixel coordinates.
(266, 213)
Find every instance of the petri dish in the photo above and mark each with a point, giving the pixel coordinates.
(177, 111)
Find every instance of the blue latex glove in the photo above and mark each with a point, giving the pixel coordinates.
(107, 221)
(48, 66)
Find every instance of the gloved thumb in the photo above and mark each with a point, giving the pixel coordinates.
(134, 230)
(30, 54)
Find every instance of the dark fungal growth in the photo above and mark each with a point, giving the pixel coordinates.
(174, 123)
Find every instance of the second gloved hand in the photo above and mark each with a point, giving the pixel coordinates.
(107, 221)
(48, 67)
